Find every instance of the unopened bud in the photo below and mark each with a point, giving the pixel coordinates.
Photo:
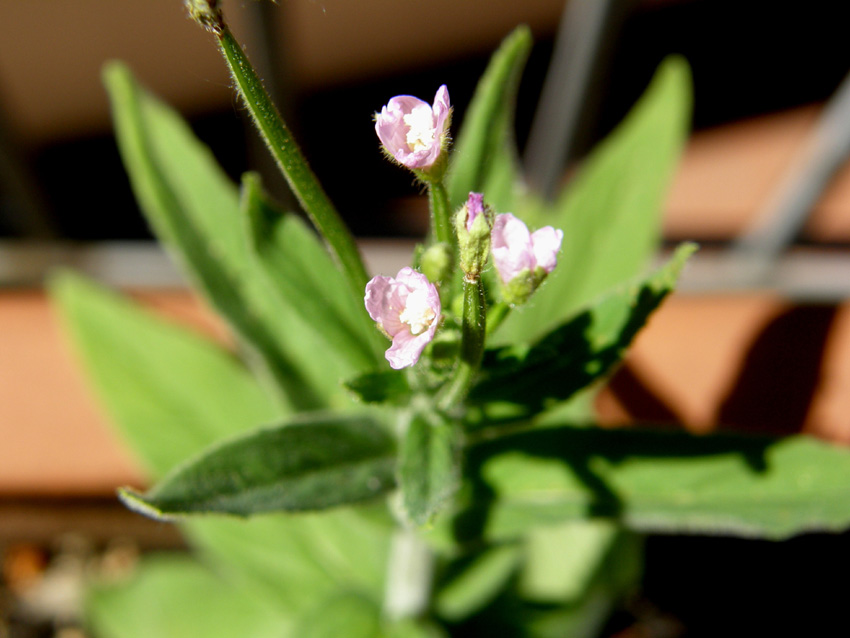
(436, 262)
(207, 13)
(473, 224)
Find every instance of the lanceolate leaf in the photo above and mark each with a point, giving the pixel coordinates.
(610, 213)
(194, 209)
(582, 350)
(484, 158)
(171, 392)
(296, 561)
(429, 466)
(660, 482)
(176, 597)
(299, 272)
(310, 464)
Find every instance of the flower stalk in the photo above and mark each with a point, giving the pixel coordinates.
(292, 162)
(438, 200)
(473, 332)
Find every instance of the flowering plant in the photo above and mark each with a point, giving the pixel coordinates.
(450, 482)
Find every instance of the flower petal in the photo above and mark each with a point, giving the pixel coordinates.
(511, 245)
(546, 242)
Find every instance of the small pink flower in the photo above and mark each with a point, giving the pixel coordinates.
(407, 308)
(413, 132)
(516, 250)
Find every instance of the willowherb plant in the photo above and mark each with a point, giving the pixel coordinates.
(451, 482)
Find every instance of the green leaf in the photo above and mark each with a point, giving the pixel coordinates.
(561, 560)
(388, 386)
(194, 210)
(610, 213)
(609, 570)
(429, 466)
(311, 463)
(484, 159)
(295, 561)
(652, 481)
(582, 350)
(170, 391)
(345, 614)
(299, 272)
(176, 597)
(473, 583)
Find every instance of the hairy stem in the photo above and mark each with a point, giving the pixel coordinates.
(292, 162)
(473, 333)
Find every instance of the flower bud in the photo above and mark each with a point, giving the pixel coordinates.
(523, 259)
(207, 13)
(416, 134)
(473, 224)
(436, 262)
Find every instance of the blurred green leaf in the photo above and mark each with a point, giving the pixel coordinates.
(194, 210)
(170, 391)
(295, 561)
(484, 158)
(176, 597)
(347, 614)
(429, 466)
(582, 350)
(476, 581)
(610, 571)
(299, 272)
(172, 394)
(668, 482)
(610, 213)
(312, 463)
(387, 386)
(562, 559)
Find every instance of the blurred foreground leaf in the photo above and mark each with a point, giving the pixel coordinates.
(176, 597)
(170, 391)
(194, 210)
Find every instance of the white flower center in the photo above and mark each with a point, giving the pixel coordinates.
(420, 122)
(417, 313)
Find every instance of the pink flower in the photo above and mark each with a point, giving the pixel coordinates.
(523, 259)
(413, 132)
(407, 308)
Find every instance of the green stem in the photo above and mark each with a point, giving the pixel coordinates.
(292, 162)
(471, 345)
(496, 316)
(441, 219)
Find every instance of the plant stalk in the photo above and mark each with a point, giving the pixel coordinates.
(438, 200)
(292, 162)
(473, 332)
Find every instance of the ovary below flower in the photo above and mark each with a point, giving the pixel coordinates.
(412, 131)
(523, 259)
(407, 308)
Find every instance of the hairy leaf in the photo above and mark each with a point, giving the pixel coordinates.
(309, 464)
(582, 350)
(654, 481)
